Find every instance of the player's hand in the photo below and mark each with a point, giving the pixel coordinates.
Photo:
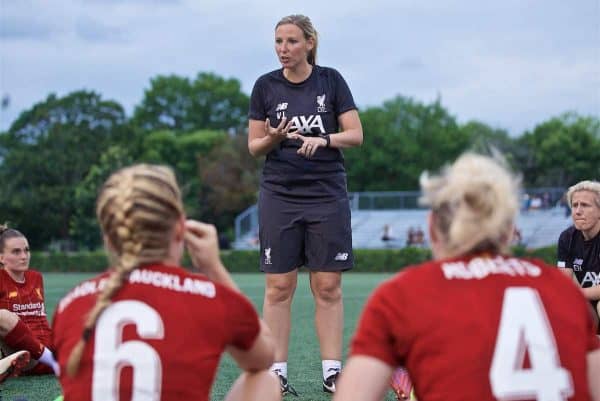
(279, 133)
(202, 243)
(310, 144)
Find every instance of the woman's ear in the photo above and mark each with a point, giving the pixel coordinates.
(179, 229)
(434, 237)
(107, 244)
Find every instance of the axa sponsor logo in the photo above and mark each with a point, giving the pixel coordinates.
(268, 256)
(305, 124)
(341, 256)
(592, 278)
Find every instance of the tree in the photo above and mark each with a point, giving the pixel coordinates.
(402, 138)
(230, 179)
(84, 228)
(178, 104)
(561, 151)
(46, 152)
(183, 151)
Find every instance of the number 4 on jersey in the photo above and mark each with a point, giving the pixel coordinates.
(524, 328)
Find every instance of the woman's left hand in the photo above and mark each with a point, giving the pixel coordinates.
(310, 144)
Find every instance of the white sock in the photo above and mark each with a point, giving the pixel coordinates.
(280, 368)
(48, 359)
(330, 367)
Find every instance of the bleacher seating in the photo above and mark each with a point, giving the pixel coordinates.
(538, 228)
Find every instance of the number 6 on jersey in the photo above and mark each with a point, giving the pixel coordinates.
(111, 353)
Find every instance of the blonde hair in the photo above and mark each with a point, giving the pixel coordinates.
(474, 203)
(137, 208)
(591, 186)
(307, 28)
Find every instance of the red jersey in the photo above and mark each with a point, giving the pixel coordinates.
(482, 328)
(161, 338)
(27, 301)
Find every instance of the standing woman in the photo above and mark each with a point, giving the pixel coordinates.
(301, 116)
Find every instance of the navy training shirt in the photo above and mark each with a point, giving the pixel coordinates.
(313, 106)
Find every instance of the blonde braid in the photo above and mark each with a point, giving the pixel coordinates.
(137, 209)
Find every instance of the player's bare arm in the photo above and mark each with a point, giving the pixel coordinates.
(363, 379)
(260, 356)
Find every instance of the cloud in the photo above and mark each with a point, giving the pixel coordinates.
(510, 63)
(24, 28)
(93, 30)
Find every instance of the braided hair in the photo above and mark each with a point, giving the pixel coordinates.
(137, 209)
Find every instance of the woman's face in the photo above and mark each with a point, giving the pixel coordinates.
(15, 256)
(585, 211)
(291, 46)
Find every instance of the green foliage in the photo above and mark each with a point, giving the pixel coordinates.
(561, 151)
(47, 151)
(243, 261)
(85, 230)
(230, 180)
(56, 154)
(402, 138)
(178, 104)
(547, 254)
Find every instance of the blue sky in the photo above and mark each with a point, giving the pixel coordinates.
(510, 63)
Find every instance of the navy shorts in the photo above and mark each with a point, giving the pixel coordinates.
(317, 236)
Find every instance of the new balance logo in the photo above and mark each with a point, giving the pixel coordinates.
(341, 256)
(280, 110)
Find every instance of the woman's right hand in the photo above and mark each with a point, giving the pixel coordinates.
(202, 243)
(279, 133)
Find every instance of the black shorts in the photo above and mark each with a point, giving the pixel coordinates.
(317, 236)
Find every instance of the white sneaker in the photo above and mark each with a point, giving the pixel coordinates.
(13, 364)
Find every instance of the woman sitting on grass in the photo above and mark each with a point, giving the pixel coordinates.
(475, 323)
(147, 328)
(24, 330)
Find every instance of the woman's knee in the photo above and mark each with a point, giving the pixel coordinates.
(280, 289)
(327, 288)
(8, 320)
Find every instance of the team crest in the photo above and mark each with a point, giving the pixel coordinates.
(321, 104)
(268, 256)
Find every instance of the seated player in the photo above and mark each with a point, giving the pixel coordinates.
(147, 328)
(579, 245)
(23, 323)
(475, 323)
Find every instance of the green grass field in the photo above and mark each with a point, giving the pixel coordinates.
(304, 365)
